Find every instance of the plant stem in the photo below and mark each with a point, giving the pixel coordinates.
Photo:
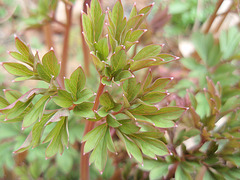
(47, 29)
(213, 16)
(84, 44)
(68, 9)
(84, 164)
(223, 18)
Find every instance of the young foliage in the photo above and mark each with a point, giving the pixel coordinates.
(130, 110)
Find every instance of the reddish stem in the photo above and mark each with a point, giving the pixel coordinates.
(65, 49)
(47, 29)
(84, 167)
(84, 44)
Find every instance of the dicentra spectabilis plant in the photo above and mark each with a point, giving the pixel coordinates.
(124, 104)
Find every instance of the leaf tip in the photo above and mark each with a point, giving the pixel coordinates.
(153, 4)
(13, 81)
(51, 49)
(15, 36)
(177, 58)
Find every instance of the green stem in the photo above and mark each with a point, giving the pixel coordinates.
(84, 164)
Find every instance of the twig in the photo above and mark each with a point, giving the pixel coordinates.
(84, 167)
(223, 18)
(213, 16)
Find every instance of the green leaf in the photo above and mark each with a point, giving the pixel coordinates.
(36, 112)
(107, 101)
(24, 50)
(123, 75)
(58, 137)
(153, 97)
(158, 172)
(143, 110)
(149, 146)
(136, 65)
(135, 35)
(109, 141)
(97, 62)
(99, 154)
(95, 10)
(229, 41)
(133, 11)
(98, 29)
(117, 13)
(22, 58)
(38, 129)
(128, 127)
(17, 69)
(26, 144)
(131, 88)
(43, 73)
(148, 51)
(163, 117)
(12, 95)
(111, 121)
(3, 102)
(133, 149)
(158, 84)
(83, 95)
(84, 110)
(145, 11)
(18, 109)
(50, 64)
(102, 49)
(182, 174)
(87, 28)
(63, 99)
(207, 49)
(76, 82)
(93, 137)
(119, 60)
(58, 116)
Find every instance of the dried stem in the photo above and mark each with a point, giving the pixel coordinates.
(68, 9)
(213, 16)
(84, 164)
